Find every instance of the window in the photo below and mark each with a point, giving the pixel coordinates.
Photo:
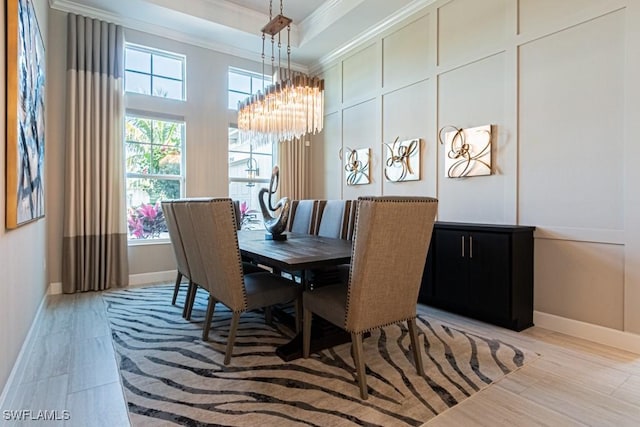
(154, 151)
(244, 83)
(154, 72)
(249, 166)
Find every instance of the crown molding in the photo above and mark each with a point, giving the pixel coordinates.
(324, 16)
(158, 30)
(225, 13)
(366, 36)
(242, 19)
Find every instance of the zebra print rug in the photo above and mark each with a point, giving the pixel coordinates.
(171, 376)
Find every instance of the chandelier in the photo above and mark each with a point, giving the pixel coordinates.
(291, 107)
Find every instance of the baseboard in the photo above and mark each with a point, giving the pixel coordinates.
(154, 277)
(55, 288)
(606, 336)
(23, 355)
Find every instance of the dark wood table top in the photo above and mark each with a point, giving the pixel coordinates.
(298, 252)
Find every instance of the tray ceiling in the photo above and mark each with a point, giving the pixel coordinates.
(320, 28)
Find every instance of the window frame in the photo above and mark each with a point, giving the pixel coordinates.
(268, 80)
(162, 53)
(245, 179)
(147, 115)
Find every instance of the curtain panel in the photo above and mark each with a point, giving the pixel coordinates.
(95, 233)
(295, 169)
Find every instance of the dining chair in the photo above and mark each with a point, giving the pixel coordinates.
(333, 218)
(247, 267)
(391, 242)
(333, 221)
(351, 222)
(236, 211)
(178, 250)
(188, 233)
(213, 225)
(302, 218)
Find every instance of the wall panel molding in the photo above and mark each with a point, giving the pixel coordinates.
(591, 209)
(553, 16)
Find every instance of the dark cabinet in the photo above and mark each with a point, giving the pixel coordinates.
(482, 271)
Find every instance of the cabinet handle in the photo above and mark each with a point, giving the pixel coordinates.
(462, 237)
(470, 246)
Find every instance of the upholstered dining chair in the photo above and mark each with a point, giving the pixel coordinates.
(178, 250)
(247, 267)
(333, 218)
(390, 247)
(214, 228)
(236, 210)
(333, 221)
(351, 222)
(196, 267)
(302, 218)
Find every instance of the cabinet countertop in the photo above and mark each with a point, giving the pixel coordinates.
(495, 228)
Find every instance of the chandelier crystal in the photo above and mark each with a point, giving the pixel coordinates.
(290, 108)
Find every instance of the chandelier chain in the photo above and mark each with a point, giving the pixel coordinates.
(288, 51)
(263, 41)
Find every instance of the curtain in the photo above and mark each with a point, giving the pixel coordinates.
(95, 235)
(295, 169)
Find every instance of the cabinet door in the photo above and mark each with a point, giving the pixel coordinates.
(451, 272)
(426, 288)
(489, 275)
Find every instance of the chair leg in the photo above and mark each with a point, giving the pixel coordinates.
(208, 318)
(232, 337)
(415, 346)
(191, 297)
(176, 289)
(187, 297)
(356, 340)
(306, 333)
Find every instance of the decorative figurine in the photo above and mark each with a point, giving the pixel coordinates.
(275, 226)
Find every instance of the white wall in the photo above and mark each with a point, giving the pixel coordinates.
(22, 251)
(558, 81)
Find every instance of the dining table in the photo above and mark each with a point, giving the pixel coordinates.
(299, 252)
(298, 255)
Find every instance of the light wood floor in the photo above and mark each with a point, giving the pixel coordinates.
(71, 366)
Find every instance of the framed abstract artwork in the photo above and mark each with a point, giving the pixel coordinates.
(356, 166)
(402, 162)
(25, 115)
(468, 151)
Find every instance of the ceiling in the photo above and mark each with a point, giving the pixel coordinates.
(321, 29)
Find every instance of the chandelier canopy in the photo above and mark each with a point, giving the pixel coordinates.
(291, 107)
